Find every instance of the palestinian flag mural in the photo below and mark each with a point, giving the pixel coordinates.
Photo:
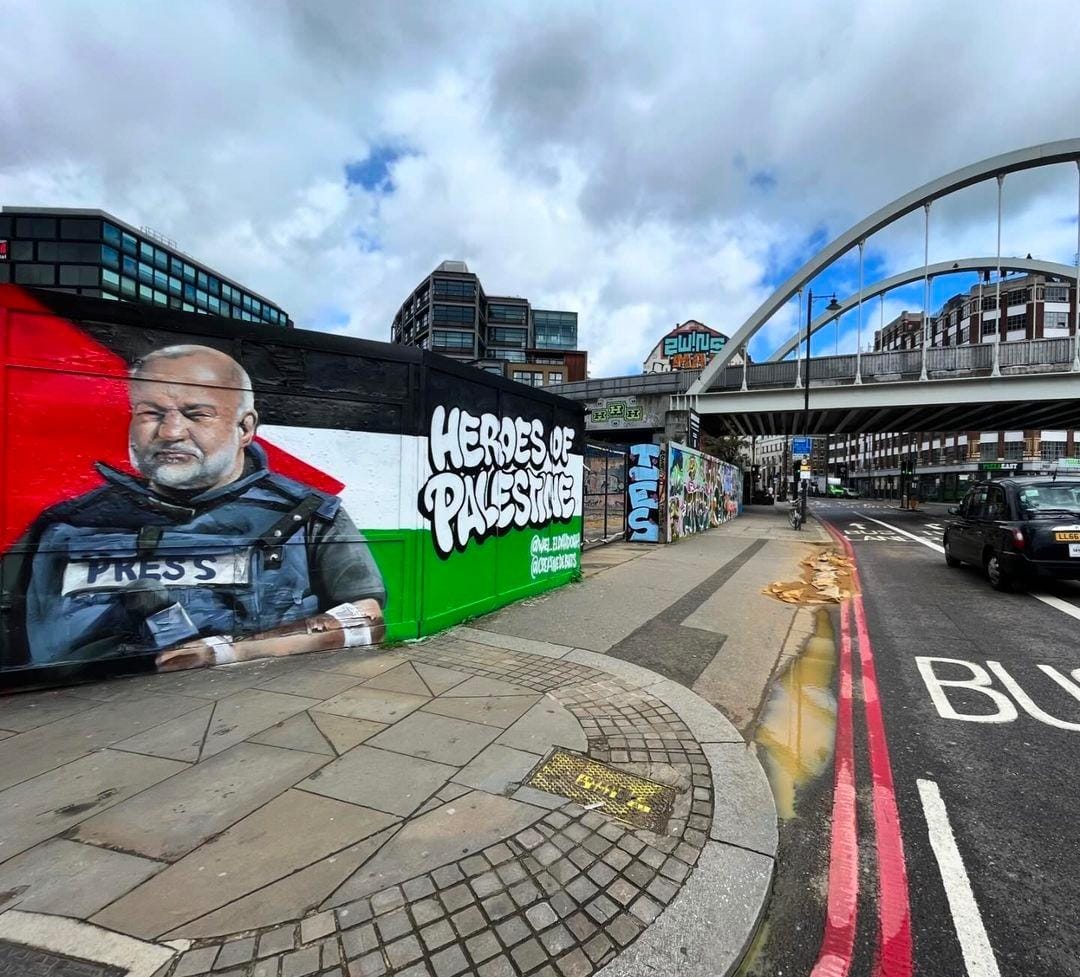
(181, 490)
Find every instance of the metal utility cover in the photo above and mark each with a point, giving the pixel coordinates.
(30, 961)
(623, 796)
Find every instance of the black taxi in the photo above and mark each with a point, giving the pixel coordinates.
(1018, 529)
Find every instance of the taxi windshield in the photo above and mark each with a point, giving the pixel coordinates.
(1050, 497)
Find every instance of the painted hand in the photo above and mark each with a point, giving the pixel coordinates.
(192, 654)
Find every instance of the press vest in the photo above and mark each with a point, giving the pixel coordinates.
(122, 571)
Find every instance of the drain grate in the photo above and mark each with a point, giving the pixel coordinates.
(19, 960)
(634, 800)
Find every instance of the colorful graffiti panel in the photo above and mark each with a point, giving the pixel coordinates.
(702, 492)
(181, 491)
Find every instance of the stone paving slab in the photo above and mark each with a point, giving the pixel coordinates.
(188, 809)
(260, 849)
(48, 747)
(178, 739)
(56, 801)
(66, 878)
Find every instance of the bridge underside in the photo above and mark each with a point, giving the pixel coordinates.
(979, 404)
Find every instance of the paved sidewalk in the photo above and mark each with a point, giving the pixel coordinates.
(358, 813)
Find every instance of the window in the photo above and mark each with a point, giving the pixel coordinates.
(989, 302)
(78, 275)
(555, 377)
(1014, 450)
(130, 244)
(174, 302)
(146, 293)
(1052, 450)
(500, 312)
(1017, 296)
(189, 272)
(453, 289)
(146, 252)
(50, 251)
(174, 285)
(161, 280)
(127, 285)
(511, 355)
(509, 337)
(160, 298)
(200, 299)
(35, 227)
(161, 259)
(455, 313)
(988, 450)
(529, 377)
(555, 330)
(146, 273)
(452, 339)
(1057, 293)
(994, 506)
(79, 229)
(22, 250)
(35, 274)
(189, 293)
(176, 267)
(110, 257)
(111, 234)
(188, 308)
(1055, 320)
(214, 304)
(201, 280)
(226, 292)
(212, 284)
(1016, 322)
(131, 266)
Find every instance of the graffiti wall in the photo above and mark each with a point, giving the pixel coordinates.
(702, 492)
(644, 492)
(183, 491)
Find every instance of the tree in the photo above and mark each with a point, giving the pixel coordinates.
(732, 448)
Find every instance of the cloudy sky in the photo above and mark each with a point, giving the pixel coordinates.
(639, 163)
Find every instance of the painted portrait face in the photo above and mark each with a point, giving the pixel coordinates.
(189, 422)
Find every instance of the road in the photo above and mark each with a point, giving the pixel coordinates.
(985, 772)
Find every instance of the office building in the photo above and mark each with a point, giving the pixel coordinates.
(93, 253)
(450, 313)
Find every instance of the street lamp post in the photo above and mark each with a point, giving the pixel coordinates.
(833, 306)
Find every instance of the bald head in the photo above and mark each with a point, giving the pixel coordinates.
(192, 415)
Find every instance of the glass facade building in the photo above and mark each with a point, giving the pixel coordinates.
(92, 253)
(450, 313)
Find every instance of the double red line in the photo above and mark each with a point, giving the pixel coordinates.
(894, 956)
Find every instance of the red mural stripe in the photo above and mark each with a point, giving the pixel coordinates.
(894, 958)
(838, 939)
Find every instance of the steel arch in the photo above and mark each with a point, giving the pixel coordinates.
(916, 274)
(1045, 154)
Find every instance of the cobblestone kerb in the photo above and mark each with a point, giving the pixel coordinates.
(563, 896)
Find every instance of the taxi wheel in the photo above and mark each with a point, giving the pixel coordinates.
(995, 572)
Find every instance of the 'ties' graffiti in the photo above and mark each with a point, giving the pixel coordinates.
(491, 473)
(643, 497)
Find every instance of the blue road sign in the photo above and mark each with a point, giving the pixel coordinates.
(800, 446)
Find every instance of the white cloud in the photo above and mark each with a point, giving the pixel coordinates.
(643, 165)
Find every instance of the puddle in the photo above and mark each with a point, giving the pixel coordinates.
(795, 735)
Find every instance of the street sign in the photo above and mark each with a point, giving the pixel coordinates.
(800, 446)
(804, 475)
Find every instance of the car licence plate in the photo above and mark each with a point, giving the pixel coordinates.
(1067, 537)
(1074, 550)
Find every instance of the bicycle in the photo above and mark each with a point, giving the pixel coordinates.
(795, 515)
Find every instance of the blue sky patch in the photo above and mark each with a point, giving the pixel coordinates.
(373, 172)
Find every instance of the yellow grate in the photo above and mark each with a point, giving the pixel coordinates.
(631, 799)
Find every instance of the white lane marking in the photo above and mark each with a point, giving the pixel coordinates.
(1049, 599)
(1062, 605)
(975, 946)
(904, 532)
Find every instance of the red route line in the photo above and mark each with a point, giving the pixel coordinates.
(838, 940)
(894, 957)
